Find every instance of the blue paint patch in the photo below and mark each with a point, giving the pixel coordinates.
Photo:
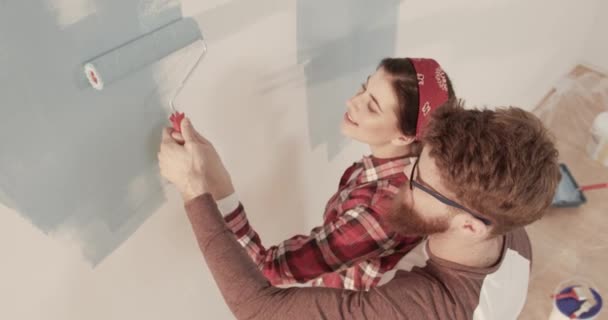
(74, 158)
(341, 43)
(81, 160)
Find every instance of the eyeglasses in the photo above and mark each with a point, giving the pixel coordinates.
(442, 198)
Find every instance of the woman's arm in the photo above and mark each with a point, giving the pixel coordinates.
(354, 236)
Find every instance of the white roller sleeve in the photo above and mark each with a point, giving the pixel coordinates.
(136, 54)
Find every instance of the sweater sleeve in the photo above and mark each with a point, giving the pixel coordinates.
(250, 296)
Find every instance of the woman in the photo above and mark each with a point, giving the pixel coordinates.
(353, 247)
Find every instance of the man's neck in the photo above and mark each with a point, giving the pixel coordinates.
(467, 253)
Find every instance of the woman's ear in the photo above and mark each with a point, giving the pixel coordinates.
(403, 140)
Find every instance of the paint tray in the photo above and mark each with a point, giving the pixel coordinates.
(568, 194)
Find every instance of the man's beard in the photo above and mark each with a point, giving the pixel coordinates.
(406, 221)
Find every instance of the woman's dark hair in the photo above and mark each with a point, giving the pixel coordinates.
(405, 84)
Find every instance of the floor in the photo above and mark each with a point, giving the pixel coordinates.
(572, 242)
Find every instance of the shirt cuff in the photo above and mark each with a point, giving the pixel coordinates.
(228, 204)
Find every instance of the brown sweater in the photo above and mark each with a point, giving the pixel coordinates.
(423, 287)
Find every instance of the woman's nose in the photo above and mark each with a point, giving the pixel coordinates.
(350, 104)
(355, 102)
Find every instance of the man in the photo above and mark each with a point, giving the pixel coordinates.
(481, 177)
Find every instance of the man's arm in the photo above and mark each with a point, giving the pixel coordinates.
(250, 296)
(355, 236)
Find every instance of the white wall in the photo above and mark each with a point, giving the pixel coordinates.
(248, 98)
(596, 48)
(499, 52)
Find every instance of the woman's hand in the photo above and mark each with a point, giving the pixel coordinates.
(191, 163)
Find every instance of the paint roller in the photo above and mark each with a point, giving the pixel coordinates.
(569, 193)
(134, 55)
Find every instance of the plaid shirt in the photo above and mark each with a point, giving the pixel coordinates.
(352, 249)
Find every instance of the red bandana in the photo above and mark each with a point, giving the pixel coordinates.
(432, 90)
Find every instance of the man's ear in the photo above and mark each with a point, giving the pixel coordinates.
(467, 224)
(403, 140)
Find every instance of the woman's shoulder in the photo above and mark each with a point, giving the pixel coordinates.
(378, 197)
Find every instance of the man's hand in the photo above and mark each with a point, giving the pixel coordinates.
(190, 162)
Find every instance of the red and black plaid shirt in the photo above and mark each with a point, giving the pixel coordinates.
(352, 249)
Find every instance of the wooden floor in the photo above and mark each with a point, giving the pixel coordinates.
(572, 242)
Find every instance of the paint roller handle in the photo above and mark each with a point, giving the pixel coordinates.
(176, 120)
(594, 186)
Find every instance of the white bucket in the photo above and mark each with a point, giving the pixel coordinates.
(597, 147)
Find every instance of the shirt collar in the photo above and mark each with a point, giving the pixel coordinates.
(378, 168)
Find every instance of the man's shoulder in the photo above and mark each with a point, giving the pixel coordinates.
(454, 289)
(518, 240)
(419, 293)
